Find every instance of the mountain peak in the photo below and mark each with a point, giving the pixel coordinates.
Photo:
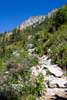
(31, 21)
(35, 19)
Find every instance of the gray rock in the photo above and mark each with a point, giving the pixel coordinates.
(36, 70)
(31, 21)
(56, 91)
(30, 46)
(31, 50)
(6, 73)
(52, 93)
(54, 69)
(43, 72)
(16, 53)
(44, 60)
(55, 82)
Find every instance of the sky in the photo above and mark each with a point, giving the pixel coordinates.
(14, 12)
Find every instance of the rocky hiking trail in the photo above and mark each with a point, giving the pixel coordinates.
(54, 78)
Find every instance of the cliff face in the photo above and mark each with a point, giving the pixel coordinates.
(31, 21)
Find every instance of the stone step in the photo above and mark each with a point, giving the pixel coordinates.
(62, 92)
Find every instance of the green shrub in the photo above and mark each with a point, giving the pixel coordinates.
(2, 65)
(7, 93)
(32, 61)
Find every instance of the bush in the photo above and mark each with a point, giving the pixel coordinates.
(7, 93)
(33, 61)
(32, 90)
(11, 65)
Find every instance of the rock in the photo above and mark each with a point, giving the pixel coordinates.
(32, 21)
(30, 46)
(29, 37)
(50, 14)
(56, 91)
(53, 78)
(55, 82)
(16, 53)
(54, 69)
(34, 71)
(44, 72)
(6, 73)
(54, 94)
(45, 62)
(42, 59)
(30, 54)
(31, 50)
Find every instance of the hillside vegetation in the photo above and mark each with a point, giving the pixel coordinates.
(48, 37)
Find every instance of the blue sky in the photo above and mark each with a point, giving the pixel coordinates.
(14, 12)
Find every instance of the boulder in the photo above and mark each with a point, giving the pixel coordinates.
(45, 62)
(57, 91)
(54, 69)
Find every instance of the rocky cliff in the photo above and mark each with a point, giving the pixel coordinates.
(34, 20)
(31, 21)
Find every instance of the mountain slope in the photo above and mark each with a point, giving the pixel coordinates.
(32, 21)
(48, 33)
(34, 56)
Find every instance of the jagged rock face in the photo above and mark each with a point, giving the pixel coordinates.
(50, 14)
(31, 21)
(34, 20)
